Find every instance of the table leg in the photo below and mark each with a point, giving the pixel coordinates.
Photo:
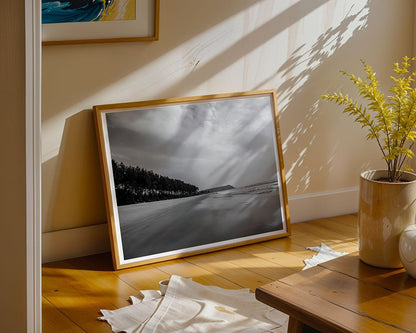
(295, 326)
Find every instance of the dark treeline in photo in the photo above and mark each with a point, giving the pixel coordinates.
(135, 185)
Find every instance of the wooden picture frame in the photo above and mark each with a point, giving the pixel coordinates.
(142, 25)
(190, 175)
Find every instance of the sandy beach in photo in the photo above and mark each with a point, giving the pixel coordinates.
(162, 226)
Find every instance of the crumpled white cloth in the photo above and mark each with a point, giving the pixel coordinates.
(132, 318)
(191, 307)
(325, 253)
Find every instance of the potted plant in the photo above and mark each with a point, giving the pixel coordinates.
(387, 202)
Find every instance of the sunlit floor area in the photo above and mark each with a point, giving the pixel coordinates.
(75, 290)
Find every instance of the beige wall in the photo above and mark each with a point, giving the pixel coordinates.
(205, 47)
(12, 169)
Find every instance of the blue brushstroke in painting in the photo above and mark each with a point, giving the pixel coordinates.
(73, 10)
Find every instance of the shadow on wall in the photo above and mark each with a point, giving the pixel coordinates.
(309, 154)
(96, 67)
(313, 155)
(298, 90)
(76, 185)
(247, 44)
(125, 58)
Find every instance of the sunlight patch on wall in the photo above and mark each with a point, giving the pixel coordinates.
(335, 23)
(301, 79)
(232, 55)
(229, 56)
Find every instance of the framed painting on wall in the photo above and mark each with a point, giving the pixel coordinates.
(190, 175)
(99, 21)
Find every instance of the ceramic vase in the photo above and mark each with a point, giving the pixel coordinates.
(385, 210)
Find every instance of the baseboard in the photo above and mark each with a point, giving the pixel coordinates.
(76, 242)
(325, 204)
(83, 241)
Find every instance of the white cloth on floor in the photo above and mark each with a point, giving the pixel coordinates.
(131, 318)
(191, 307)
(325, 253)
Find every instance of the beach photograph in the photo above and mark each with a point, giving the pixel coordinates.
(194, 175)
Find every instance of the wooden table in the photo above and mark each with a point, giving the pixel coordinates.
(345, 295)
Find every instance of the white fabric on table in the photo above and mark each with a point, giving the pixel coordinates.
(325, 253)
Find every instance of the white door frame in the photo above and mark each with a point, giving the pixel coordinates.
(33, 166)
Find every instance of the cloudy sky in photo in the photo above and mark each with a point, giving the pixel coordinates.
(207, 144)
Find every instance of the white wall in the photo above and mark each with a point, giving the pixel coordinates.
(206, 47)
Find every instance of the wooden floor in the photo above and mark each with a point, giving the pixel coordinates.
(75, 290)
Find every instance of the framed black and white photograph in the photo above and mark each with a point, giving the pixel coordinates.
(185, 176)
(99, 21)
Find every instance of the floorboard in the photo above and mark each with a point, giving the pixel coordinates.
(75, 290)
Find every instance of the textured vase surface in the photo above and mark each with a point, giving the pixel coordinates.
(407, 249)
(385, 210)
